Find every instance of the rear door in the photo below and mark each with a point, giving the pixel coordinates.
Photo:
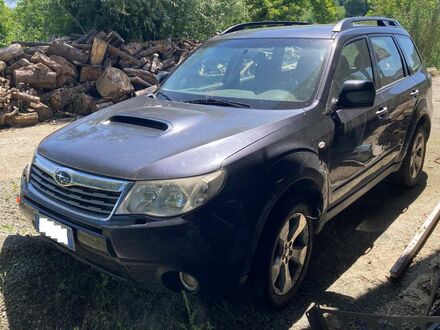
(398, 89)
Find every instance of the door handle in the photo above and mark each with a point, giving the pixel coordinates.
(415, 93)
(382, 112)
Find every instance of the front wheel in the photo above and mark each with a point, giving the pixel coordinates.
(284, 254)
(412, 166)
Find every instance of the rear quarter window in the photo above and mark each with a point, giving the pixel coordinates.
(410, 52)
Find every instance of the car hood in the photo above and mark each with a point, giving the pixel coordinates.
(144, 138)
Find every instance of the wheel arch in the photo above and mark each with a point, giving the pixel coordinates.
(309, 183)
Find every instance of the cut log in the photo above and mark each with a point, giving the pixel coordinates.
(86, 36)
(115, 39)
(7, 118)
(154, 63)
(36, 75)
(62, 97)
(9, 53)
(21, 63)
(32, 50)
(98, 52)
(139, 82)
(91, 72)
(39, 57)
(145, 75)
(83, 105)
(25, 119)
(114, 84)
(67, 68)
(44, 112)
(2, 66)
(146, 91)
(132, 48)
(82, 46)
(104, 105)
(69, 52)
(26, 98)
(32, 43)
(119, 53)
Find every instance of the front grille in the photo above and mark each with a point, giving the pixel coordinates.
(95, 202)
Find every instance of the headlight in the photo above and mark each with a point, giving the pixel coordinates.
(166, 198)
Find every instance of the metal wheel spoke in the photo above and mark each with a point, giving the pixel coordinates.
(287, 280)
(276, 267)
(302, 223)
(299, 254)
(284, 232)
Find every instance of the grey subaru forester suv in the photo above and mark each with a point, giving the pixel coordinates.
(246, 150)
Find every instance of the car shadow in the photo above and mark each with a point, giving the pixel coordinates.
(45, 288)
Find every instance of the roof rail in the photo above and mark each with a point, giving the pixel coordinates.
(243, 26)
(348, 23)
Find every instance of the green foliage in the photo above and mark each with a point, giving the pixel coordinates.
(356, 7)
(133, 19)
(324, 11)
(421, 18)
(7, 26)
(320, 11)
(262, 10)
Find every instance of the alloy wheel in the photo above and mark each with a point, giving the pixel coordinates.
(290, 254)
(417, 155)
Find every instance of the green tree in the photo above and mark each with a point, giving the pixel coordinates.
(7, 25)
(262, 10)
(421, 18)
(133, 19)
(356, 8)
(324, 11)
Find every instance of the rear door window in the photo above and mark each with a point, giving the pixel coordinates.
(411, 55)
(389, 62)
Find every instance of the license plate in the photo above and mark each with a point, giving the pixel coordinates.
(56, 231)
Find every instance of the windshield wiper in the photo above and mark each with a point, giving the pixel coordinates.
(162, 94)
(219, 102)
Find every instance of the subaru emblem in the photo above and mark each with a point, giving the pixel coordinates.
(63, 178)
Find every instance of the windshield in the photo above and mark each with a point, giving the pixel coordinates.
(258, 73)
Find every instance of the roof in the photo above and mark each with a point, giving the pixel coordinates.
(286, 29)
(297, 31)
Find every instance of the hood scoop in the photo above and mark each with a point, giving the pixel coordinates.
(150, 125)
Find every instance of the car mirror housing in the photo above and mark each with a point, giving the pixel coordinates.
(161, 76)
(357, 94)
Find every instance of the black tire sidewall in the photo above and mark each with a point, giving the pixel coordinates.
(262, 278)
(404, 174)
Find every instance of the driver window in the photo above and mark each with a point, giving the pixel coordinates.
(354, 64)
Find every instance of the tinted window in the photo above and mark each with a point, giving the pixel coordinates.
(388, 59)
(354, 64)
(263, 73)
(410, 52)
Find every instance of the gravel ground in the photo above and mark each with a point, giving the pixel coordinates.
(42, 288)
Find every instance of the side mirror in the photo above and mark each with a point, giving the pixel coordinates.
(357, 94)
(161, 76)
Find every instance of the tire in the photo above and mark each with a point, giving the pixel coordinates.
(411, 170)
(290, 220)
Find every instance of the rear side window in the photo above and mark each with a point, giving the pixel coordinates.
(410, 52)
(389, 61)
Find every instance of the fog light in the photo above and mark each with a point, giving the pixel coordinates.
(189, 282)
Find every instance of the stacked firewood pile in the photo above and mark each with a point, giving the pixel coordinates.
(80, 74)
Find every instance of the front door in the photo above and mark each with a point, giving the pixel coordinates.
(360, 134)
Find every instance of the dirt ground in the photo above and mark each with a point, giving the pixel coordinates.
(41, 287)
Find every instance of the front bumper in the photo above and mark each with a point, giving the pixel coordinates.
(150, 253)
